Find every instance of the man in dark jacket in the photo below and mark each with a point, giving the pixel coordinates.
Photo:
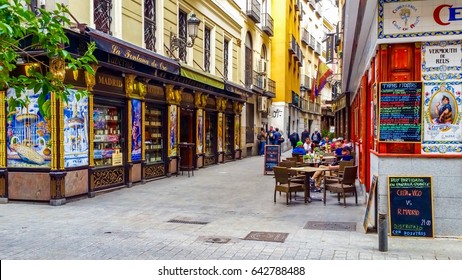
(305, 134)
(316, 137)
(294, 139)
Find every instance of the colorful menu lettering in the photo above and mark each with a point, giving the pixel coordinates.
(271, 157)
(400, 113)
(410, 206)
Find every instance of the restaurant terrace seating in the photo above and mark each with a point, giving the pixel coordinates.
(284, 183)
(346, 184)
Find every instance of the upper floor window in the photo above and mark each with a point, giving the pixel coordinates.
(182, 33)
(207, 49)
(150, 24)
(225, 58)
(102, 15)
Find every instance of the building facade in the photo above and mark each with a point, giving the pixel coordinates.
(401, 73)
(164, 98)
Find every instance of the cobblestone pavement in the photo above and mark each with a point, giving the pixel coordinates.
(218, 207)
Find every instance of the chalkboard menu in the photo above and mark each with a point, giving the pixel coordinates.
(271, 157)
(410, 206)
(400, 112)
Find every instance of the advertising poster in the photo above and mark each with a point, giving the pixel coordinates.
(442, 101)
(237, 132)
(76, 131)
(200, 132)
(136, 130)
(28, 134)
(172, 122)
(220, 132)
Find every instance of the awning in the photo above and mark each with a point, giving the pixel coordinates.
(208, 79)
(132, 52)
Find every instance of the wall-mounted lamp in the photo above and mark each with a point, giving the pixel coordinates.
(180, 43)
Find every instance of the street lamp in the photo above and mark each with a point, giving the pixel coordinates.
(177, 43)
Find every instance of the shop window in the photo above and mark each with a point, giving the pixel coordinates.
(107, 139)
(153, 135)
(228, 148)
(210, 134)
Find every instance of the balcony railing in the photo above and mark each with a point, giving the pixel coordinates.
(305, 36)
(271, 87)
(254, 10)
(305, 81)
(312, 3)
(292, 45)
(268, 24)
(258, 82)
(294, 48)
(308, 106)
(312, 43)
(297, 5)
(318, 48)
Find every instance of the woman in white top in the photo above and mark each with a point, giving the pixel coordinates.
(307, 145)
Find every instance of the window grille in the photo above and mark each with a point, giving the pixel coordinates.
(150, 24)
(207, 49)
(182, 34)
(102, 15)
(225, 59)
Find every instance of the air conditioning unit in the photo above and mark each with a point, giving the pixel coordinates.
(262, 66)
(262, 104)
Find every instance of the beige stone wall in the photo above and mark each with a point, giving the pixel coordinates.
(80, 10)
(132, 22)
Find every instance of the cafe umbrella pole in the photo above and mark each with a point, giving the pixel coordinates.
(383, 231)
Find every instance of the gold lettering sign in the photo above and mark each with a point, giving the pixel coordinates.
(155, 91)
(108, 81)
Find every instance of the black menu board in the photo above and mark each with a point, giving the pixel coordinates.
(271, 157)
(410, 206)
(400, 112)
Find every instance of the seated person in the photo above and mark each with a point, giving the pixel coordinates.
(338, 148)
(299, 150)
(317, 176)
(307, 145)
(324, 141)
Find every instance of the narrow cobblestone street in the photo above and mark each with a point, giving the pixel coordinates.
(213, 212)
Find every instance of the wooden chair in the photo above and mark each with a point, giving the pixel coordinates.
(298, 158)
(345, 185)
(287, 163)
(336, 175)
(285, 184)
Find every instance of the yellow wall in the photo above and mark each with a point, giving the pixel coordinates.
(285, 70)
(80, 10)
(132, 28)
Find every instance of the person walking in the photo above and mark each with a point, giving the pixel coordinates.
(262, 141)
(316, 137)
(305, 134)
(278, 139)
(270, 136)
(294, 139)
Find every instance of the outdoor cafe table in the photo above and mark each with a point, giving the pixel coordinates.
(309, 171)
